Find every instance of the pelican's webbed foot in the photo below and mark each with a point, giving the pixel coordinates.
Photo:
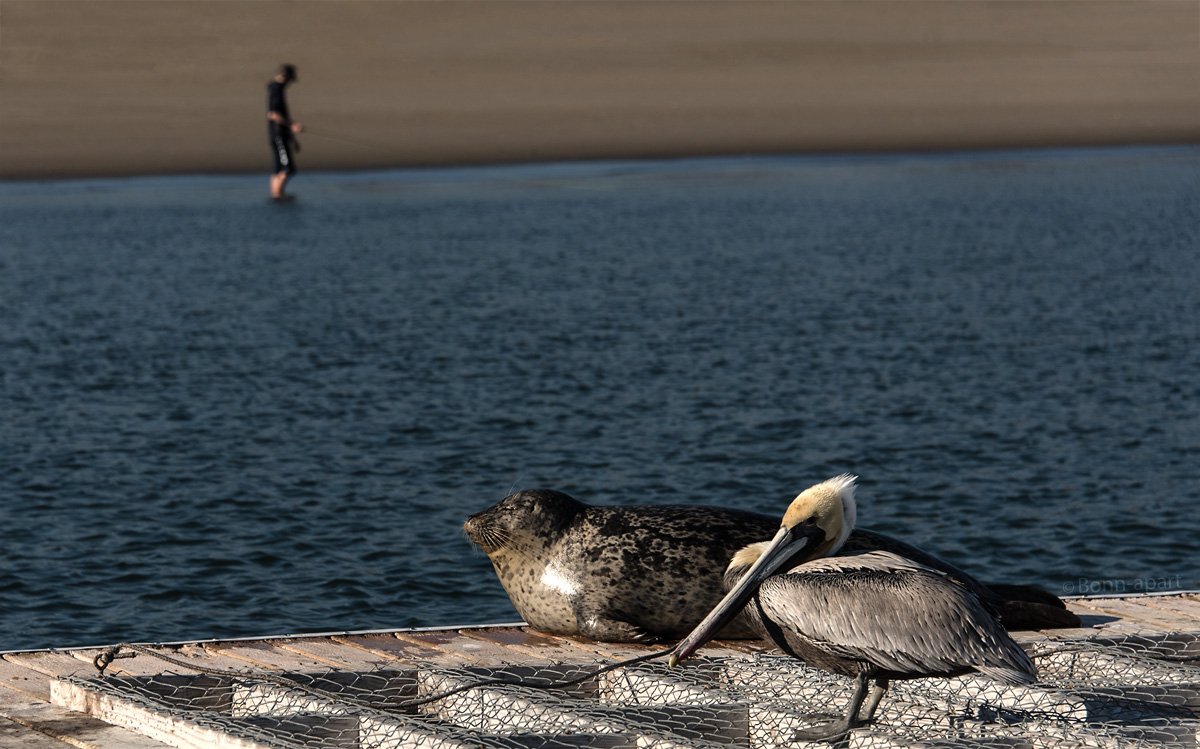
(836, 729)
(830, 731)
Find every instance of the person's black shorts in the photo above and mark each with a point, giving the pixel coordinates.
(281, 151)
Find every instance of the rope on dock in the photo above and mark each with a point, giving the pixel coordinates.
(113, 652)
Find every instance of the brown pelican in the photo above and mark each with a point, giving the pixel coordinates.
(872, 615)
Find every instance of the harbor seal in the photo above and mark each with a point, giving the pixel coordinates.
(652, 572)
(614, 574)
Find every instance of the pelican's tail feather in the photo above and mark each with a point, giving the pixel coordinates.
(1007, 675)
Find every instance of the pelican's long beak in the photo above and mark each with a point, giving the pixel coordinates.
(786, 544)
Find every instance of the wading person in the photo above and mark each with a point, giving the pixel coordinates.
(280, 128)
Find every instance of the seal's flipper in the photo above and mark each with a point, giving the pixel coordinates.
(601, 627)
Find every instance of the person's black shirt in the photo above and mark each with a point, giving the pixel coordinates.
(277, 103)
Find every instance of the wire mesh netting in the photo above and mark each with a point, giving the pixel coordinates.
(1119, 692)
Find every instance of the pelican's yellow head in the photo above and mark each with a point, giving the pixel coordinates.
(822, 515)
(830, 506)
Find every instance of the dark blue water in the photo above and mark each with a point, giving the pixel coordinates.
(223, 417)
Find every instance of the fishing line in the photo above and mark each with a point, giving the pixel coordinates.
(109, 654)
(348, 138)
(526, 684)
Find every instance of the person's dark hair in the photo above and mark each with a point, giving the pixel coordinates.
(288, 72)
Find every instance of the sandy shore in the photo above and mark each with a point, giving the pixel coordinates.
(118, 87)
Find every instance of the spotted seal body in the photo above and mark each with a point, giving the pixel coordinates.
(615, 574)
(651, 572)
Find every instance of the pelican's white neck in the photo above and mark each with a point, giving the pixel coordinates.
(844, 486)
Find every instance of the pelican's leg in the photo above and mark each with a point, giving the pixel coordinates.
(838, 728)
(881, 686)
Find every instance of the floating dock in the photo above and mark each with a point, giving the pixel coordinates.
(1129, 677)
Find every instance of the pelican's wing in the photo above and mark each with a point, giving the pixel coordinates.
(902, 616)
(865, 540)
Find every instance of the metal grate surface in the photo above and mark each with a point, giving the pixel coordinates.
(1120, 692)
